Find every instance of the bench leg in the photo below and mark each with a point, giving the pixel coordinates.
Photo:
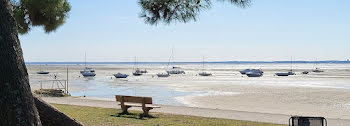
(125, 109)
(145, 111)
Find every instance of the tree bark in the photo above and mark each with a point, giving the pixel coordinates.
(17, 106)
(16, 100)
(50, 116)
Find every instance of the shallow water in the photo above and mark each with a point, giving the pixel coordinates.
(171, 90)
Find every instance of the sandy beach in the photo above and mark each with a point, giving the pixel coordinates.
(331, 103)
(193, 111)
(323, 94)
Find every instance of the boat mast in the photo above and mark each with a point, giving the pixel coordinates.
(134, 63)
(172, 53)
(203, 64)
(171, 57)
(291, 63)
(85, 59)
(169, 61)
(315, 64)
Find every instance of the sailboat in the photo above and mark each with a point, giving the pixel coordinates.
(174, 70)
(167, 73)
(163, 75)
(137, 71)
(203, 73)
(42, 72)
(317, 70)
(289, 72)
(144, 71)
(87, 72)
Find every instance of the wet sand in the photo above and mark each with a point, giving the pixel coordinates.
(324, 94)
(326, 102)
(192, 111)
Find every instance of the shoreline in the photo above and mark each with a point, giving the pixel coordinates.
(193, 111)
(316, 94)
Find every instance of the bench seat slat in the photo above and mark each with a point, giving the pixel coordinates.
(139, 105)
(135, 99)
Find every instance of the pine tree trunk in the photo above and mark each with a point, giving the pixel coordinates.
(17, 105)
(50, 116)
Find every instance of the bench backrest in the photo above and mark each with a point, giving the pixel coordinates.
(133, 99)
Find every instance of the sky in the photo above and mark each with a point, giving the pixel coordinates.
(269, 30)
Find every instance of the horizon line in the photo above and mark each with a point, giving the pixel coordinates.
(277, 61)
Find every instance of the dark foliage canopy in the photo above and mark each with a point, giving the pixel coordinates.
(52, 13)
(168, 11)
(47, 13)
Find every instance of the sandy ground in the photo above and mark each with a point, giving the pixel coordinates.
(226, 94)
(326, 102)
(194, 111)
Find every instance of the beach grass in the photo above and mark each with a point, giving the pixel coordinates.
(94, 116)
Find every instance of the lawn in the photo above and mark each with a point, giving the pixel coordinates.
(93, 116)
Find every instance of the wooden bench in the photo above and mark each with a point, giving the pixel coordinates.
(135, 101)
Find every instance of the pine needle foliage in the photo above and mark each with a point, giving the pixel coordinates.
(47, 13)
(168, 11)
(51, 14)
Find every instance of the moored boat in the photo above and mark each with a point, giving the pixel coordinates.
(285, 73)
(317, 70)
(163, 75)
(289, 72)
(42, 72)
(305, 72)
(254, 74)
(121, 75)
(204, 74)
(282, 74)
(137, 72)
(251, 70)
(175, 71)
(87, 69)
(144, 71)
(88, 74)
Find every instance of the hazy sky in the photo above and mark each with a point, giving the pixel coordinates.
(111, 31)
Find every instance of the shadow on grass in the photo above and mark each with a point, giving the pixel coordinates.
(133, 115)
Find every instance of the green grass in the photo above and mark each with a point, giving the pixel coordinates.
(93, 116)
